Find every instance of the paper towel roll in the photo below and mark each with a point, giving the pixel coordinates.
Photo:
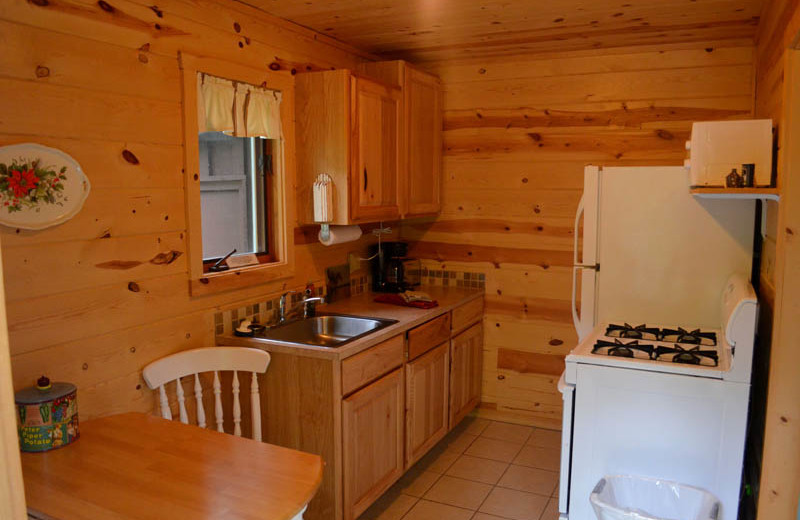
(341, 234)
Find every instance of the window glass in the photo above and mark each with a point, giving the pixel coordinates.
(234, 194)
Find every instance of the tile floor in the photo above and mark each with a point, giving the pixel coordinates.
(482, 470)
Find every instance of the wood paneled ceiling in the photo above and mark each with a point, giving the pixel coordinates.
(424, 30)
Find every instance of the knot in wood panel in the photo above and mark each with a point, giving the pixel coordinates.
(664, 134)
(42, 71)
(165, 258)
(130, 157)
(105, 6)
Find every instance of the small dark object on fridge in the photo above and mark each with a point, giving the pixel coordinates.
(733, 180)
(748, 175)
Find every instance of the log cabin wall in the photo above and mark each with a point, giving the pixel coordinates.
(518, 132)
(780, 24)
(88, 301)
(772, 442)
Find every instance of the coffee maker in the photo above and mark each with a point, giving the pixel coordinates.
(388, 271)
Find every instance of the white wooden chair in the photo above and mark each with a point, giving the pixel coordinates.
(212, 359)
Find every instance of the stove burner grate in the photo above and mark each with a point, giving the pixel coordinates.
(694, 337)
(620, 349)
(692, 356)
(630, 332)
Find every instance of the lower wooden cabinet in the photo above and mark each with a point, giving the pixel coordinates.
(372, 434)
(374, 414)
(427, 389)
(466, 367)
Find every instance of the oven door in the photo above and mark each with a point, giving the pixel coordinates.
(568, 393)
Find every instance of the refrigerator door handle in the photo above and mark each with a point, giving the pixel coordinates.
(575, 261)
(576, 320)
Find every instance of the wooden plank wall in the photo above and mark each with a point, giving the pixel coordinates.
(518, 132)
(86, 303)
(780, 24)
(778, 491)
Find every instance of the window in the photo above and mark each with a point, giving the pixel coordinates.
(234, 193)
(239, 155)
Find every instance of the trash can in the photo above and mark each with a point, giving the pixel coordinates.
(625, 497)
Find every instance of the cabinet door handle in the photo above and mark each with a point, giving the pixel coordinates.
(365, 178)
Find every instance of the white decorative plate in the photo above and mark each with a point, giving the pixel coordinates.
(39, 186)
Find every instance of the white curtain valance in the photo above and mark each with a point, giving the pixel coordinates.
(237, 109)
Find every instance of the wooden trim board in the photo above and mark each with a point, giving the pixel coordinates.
(12, 494)
(780, 477)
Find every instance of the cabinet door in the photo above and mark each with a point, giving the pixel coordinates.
(423, 125)
(372, 433)
(466, 366)
(427, 388)
(376, 151)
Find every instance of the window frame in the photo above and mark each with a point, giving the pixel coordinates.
(281, 224)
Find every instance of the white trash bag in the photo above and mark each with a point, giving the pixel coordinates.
(634, 498)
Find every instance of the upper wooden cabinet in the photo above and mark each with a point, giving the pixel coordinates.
(350, 128)
(378, 134)
(421, 185)
(375, 164)
(421, 165)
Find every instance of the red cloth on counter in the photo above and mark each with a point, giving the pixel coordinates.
(396, 299)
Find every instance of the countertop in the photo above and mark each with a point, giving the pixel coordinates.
(364, 305)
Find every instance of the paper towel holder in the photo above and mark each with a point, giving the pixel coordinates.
(323, 203)
(325, 231)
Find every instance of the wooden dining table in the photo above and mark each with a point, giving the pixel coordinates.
(136, 466)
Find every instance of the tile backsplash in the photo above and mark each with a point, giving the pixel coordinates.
(262, 312)
(450, 278)
(266, 311)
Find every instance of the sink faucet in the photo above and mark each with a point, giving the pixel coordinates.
(308, 306)
(306, 302)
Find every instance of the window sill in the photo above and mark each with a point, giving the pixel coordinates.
(239, 278)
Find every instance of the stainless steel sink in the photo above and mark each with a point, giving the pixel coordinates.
(333, 330)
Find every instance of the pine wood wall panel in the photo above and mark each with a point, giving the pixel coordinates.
(94, 300)
(518, 133)
(779, 462)
(778, 30)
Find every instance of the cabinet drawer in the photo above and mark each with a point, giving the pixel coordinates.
(467, 314)
(428, 335)
(371, 364)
